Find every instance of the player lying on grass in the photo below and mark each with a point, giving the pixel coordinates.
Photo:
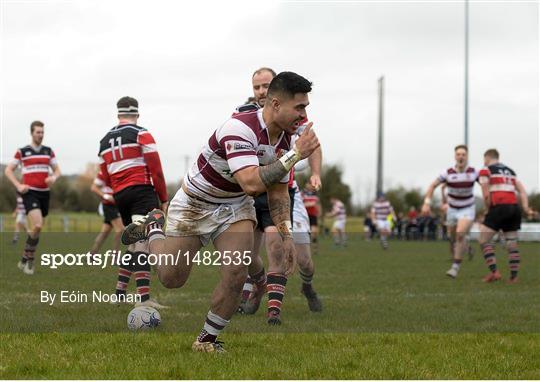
(240, 160)
(461, 210)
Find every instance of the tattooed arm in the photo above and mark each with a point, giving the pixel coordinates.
(280, 210)
(256, 180)
(279, 204)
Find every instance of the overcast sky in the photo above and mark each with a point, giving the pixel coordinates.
(189, 64)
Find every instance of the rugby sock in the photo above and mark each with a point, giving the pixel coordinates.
(259, 279)
(276, 290)
(344, 239)
(124, 276)
(456, 264)
(142, 275)
(489, 256)
(384, 242)
(247, 289)
(514, 258)
(213, 325)
(29, 248)
(306, 278)
(306, 282)
(154, 231)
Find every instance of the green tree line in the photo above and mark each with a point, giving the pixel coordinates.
(72, 192)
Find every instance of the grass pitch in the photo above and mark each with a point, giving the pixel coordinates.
(387, 314)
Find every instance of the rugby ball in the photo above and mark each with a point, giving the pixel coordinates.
(143, 318)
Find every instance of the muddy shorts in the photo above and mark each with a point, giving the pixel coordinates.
(189, 216)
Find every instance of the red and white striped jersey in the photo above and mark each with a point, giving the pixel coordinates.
(338, 210)
(502, 183)
(128, 157)
(35, 163)
(104, 187)
(381, 209)
(459, 186)
(311, 201)
(239, 143)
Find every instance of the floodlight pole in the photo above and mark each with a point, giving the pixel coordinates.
(380, 138)
(466, 122)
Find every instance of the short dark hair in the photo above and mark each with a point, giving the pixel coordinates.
(492, 153)
(35, 124)
(464, 147)
(264, 69)
(127, 105)
(289, 84)
(250, 100)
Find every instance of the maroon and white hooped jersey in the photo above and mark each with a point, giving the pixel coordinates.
(35, 163)
(239, 143)
(459, 186)
(382, 209)
(20, 209)
(338, 210)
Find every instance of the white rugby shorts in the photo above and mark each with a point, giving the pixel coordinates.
(383, 225)
(301, 229)
(455, 214)
(339, 224)
(188, 216)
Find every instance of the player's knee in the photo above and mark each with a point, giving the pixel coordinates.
(38, 227)
(460, 237)
(170, 279)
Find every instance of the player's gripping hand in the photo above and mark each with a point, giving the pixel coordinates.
(426, 209)
(289, 258)
(307, 142)
(315, 182)
(22, 188)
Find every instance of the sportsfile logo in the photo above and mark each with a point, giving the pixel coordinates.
(114, 258)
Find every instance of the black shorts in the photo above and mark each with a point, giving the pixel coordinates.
(110, 212)
(37, 199)
(503, 217)
(313, 220)
(263, 213)
(136, 200)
